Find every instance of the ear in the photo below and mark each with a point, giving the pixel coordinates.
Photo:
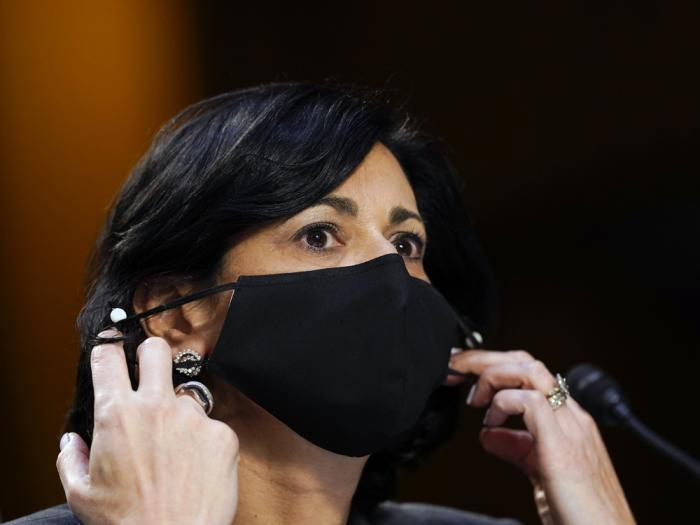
(192, 325)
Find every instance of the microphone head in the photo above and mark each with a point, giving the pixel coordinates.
(598, 393)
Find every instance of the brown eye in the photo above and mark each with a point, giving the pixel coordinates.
(317, 237)
(410, 245)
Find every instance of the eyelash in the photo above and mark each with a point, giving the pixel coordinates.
(414, 236)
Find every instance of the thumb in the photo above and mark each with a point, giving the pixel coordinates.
(72, 464)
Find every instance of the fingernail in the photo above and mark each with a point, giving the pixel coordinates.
(65, 439)
(454, 350)
(486, 417)
(110, 332)
(470, 395)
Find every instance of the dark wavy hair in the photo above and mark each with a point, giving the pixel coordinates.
(252, 156)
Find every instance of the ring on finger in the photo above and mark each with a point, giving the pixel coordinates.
(559, 394)
(199, 393)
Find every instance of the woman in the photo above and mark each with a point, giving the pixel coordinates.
(353, 268)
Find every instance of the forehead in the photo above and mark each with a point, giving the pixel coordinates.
(378, 179)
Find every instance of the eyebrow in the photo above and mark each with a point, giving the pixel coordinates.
(347, 206)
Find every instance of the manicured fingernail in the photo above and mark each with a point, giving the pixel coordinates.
(470, 395)
(110, 332)
(65, 439)
(455, 350)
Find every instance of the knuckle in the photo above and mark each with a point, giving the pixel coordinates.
(520, 355)
(189, 406)
(499, 399)
(101, 397)
(227, 434)
(486, 375)
(232, 441)
(534, 398)
(537, 367)
(111, 411)
(469, 356)
(75, 496)
(152, 403)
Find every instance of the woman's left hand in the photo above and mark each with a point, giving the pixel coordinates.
(561, 451)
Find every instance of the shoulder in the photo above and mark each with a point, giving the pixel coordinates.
(415, 513)
(58, 515)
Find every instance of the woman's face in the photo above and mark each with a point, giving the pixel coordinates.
(372, 213)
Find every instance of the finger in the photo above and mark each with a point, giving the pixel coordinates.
(184, 395)
(155, 366)
(476, 361)
(108, 365)
(73, 465)
(537, 415)
(509, 444)
(454, 380)
(529, 374)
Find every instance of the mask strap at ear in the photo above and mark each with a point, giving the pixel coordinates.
(118, 315)
(472, 339)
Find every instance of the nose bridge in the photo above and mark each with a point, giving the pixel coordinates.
(375, 246)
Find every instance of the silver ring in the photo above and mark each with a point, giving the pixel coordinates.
(201, 394)
(559, 394)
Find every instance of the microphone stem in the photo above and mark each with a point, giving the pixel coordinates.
(657, 442)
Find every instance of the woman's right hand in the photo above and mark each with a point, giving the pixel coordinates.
(155, 457)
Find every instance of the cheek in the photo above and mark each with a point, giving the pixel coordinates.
(417, 270)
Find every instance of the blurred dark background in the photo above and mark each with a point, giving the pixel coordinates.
(574, 124)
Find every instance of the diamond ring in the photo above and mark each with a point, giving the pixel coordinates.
(559, 394)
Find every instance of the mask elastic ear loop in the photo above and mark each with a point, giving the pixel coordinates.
(119, 317)
(471, 340)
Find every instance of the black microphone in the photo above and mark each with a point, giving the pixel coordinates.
(602, 397)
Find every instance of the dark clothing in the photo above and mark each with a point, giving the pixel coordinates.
(60, 514)
(415, 513)
(386, 513)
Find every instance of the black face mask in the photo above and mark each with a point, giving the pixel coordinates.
(346, 357)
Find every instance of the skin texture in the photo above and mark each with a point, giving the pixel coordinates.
(245, 466)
